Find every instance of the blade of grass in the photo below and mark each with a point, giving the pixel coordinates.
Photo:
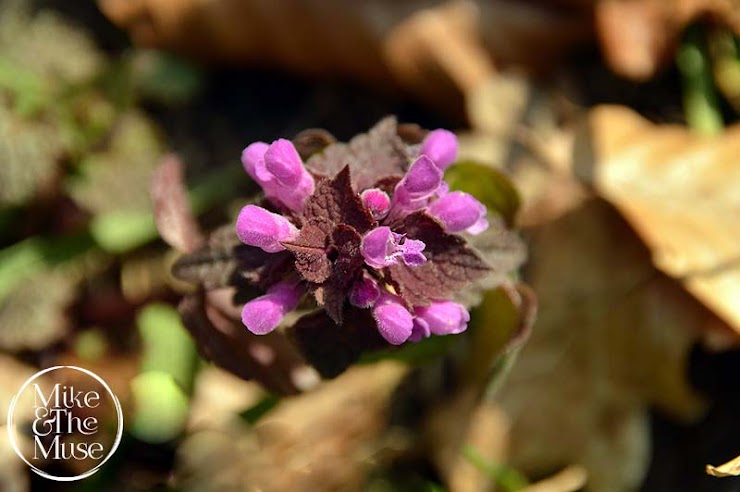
(701, 105)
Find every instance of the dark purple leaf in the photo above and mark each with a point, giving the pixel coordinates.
(331, 349)
(226, 261)
(346, 264)
(335, 202)
(309, 249)
(221, 338)
(451, 264)
(379, 152)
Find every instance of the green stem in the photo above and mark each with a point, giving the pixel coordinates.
(505, 477)
(701, 105)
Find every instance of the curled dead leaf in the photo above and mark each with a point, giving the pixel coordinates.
(680, 193)
(729, 469)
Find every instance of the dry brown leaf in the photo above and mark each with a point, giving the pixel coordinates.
(435, 51)
(612, 336)
(569, 479)
(680, 191)
(729, 469)
(14, 474)
(638, 37)
(323, 440)
(432, 50)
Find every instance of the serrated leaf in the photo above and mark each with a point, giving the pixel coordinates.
(335, 202)
(226, 261)
(222, 338)
(309, 249)
(379, 152)
(451, 264)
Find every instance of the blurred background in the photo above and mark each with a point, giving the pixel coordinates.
(616, 121)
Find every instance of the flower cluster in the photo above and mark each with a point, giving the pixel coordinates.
(389, 245)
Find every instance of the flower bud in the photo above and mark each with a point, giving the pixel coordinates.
(377, 202)
(421, 181)
(444, 317)
(441, 147)
(394, 321)
(263, 314)
(459, 211)
(253, 160)
(258, 227)
(284, 163)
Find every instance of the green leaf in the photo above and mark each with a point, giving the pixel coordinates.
(490, 186)
(499, 326)
(167, 346)
(165, 77)
(122, 231)
(160, 407)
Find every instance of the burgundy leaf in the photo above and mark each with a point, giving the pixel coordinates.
(331, 350)
(221, 337)
(227, 261)
(379, 152)
(346, 266)
(451, 264)
(172, 214)
(335, 202)
(309, 249)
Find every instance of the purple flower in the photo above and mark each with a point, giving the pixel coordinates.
(259, 227)
(459, 211)
(253, 160)
(419, 331)
(278, 169)
(344, 231)
(263, 314)
(364, 293)
(441, 147)
(382, 247)
(377, 202)
(421, 182)
(442, 318)
(394, 321)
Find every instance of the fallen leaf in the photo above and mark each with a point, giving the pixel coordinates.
(680, 193)
(729, 469)
(330, 439)
(638, 37)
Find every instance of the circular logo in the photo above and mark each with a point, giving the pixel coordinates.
(65, 423)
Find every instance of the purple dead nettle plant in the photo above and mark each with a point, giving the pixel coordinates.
(363, 240)
(388, 243)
